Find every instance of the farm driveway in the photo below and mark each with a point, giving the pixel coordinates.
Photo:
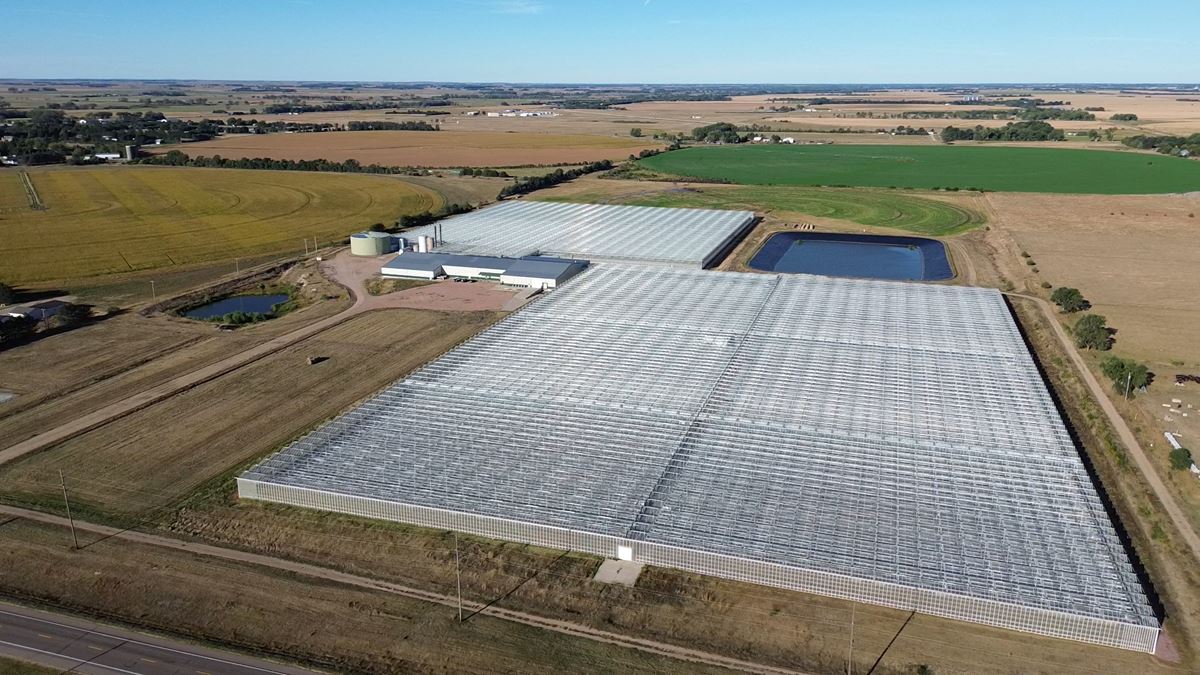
(343, 269)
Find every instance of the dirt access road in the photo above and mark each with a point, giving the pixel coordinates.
(1140, 457)
(345, 270)
(469, 607)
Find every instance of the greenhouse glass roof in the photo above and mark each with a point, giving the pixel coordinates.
(644, 234)
(881, 441)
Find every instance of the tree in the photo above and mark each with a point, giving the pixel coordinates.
(7, 294)
(16, 329)
(1068, 299)
(1181, 459)
(1125, 374)
(636, 132)
(1091, 332)
(72, 315)
(377, 227)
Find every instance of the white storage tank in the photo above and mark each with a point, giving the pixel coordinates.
(371, 243)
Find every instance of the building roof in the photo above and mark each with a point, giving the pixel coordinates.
(542, 268)
(882, 441)
(412, 260)
(597, 232)
(548, 268)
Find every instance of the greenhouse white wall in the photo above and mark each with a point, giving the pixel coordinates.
(885, 442)
(597, 232)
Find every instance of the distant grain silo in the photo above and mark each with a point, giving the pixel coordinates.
(372, 243)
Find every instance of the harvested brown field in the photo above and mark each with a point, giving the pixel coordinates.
(454, 189)
(157, 455)
(68, 375)
(1134, 257)
(342, 628)
(425, 148)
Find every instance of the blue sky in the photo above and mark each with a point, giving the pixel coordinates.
(796, 41)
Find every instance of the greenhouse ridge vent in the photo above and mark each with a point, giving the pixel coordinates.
(884, 442)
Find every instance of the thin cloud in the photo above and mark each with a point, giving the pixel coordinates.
(517, 7)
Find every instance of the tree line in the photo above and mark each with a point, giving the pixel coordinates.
(407, 125)
(721, 132)
(1032, 130)
(179, 158)
(342, 106)
(531, 183)
(1038, 113)
(1184, 146)
(45, 136)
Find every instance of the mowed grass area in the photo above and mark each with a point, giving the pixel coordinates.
(112, 220)
(867, 207)
(1006, 169)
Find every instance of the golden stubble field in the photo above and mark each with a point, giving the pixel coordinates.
(446, 148)
(113, 220)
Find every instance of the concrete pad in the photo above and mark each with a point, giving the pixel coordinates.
(622, 572)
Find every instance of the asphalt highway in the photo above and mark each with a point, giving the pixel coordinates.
(83, 646)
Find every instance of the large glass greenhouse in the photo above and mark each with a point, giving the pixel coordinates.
(891, 443)
(596, 232)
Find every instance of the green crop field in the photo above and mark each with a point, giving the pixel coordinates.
(1007, 169)
(112, 220)
(880, 208)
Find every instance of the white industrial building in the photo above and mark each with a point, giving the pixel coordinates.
(598, 232)
(883, 442)
(536, 272)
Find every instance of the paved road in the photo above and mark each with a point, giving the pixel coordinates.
(375, 585)
(82, 646)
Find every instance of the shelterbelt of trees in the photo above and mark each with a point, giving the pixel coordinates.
(1014, 131)
(1184, 146)
(180, 158)
(47, 136)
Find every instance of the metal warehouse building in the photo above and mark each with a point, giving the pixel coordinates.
(531, 271)
(883, 442)
(596, 232)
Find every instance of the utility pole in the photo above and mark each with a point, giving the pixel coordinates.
(237, 265)
(306, 246)
(458, 575)
(63, 481)
(1128, 381)
(850, 654)
(153, 293)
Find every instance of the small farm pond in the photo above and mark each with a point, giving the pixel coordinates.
(247, 304)
(854, 255)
